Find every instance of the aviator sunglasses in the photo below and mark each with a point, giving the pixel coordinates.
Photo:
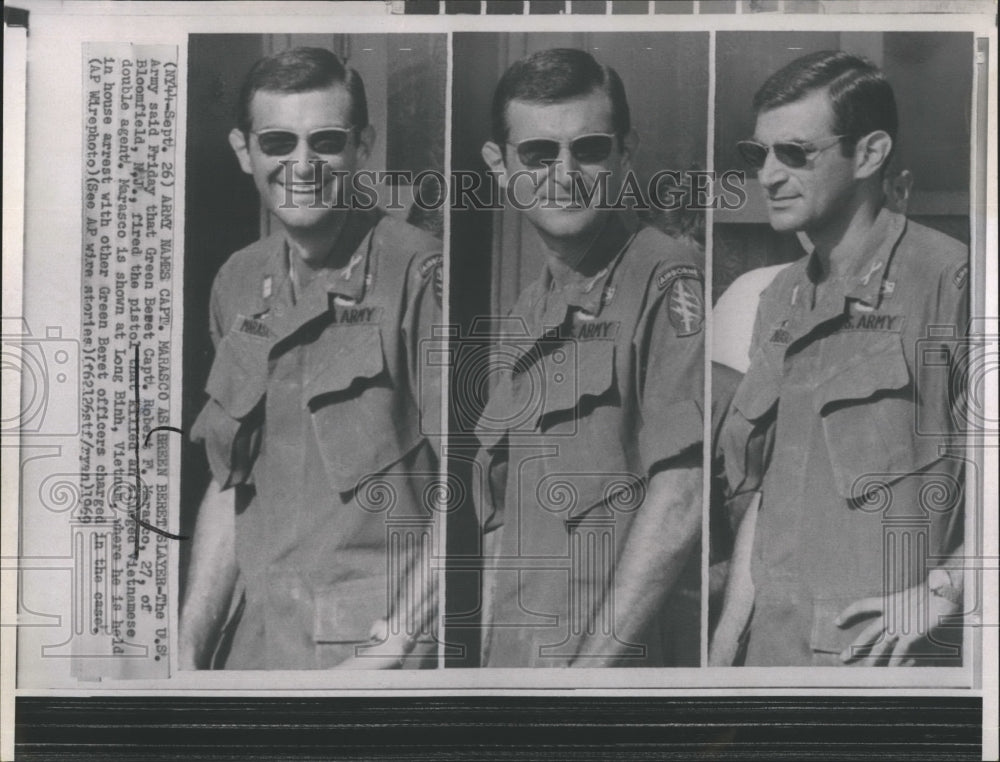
(794, 155)
(328, 141)
(535, 153)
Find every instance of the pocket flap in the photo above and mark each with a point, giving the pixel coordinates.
(238, 379)
(759, 390)
(876, 366)
(340, 357)
(345, 611)
(574, 372)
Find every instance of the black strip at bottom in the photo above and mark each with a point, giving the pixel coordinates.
(505, 728)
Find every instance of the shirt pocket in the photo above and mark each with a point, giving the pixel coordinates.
(869, 417)
(741, 441)
(236, 384)
(361, 422)
(238, 379)
(345, 611)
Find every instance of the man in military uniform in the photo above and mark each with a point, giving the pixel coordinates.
(839, 420)
(591, 440)
(313, 423)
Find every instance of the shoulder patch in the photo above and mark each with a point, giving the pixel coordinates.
(429, 264)
(664, 279)
(961, 275)
(432, 267)
(685, 305)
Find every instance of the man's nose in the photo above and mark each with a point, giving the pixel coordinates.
(773, 173)
(564, 167)
(308, 165)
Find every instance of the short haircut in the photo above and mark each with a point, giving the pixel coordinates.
(300, 70)
(553, 76)
(862, 98)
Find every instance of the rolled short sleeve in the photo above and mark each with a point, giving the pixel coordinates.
(216, 320)
(953, 316)
(426, 350)
(670, 352)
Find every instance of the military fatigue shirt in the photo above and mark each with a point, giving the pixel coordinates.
(322, 415)
(852, 394)
(600, 385)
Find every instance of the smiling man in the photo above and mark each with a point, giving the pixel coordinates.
(840, 420)
(591, 439)
(313, 423)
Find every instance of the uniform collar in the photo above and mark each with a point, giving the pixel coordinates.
(590, 294)
(348, 283)
(864, 280)
(862, 283)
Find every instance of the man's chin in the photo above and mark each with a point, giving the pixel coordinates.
(567, 223)
(306, 218)
(784, 223)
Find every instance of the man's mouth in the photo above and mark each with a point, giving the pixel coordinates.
(562, 202)
(302, 187)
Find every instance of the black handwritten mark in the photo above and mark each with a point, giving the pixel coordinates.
(138, 476)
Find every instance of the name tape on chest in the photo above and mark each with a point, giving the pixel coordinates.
(249, 326)
(780, 335)
(587, 330)
(875, 322)
(347, 315)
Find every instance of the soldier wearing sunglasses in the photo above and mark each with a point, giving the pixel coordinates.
(594, 505)
(316, 388)
(838, 421)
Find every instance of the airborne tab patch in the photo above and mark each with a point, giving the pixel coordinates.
(680, 271)
(429, 264)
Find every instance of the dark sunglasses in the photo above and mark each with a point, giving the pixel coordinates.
(328, 141)
(794, 155)
(535, 153)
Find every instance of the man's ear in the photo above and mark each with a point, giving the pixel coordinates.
(493, 157)
(239, 143)
(366, 142)
(630, 144)
(871, 154)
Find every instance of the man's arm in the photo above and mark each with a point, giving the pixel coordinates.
(211, 578)
(737, 605)
(664, 533)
